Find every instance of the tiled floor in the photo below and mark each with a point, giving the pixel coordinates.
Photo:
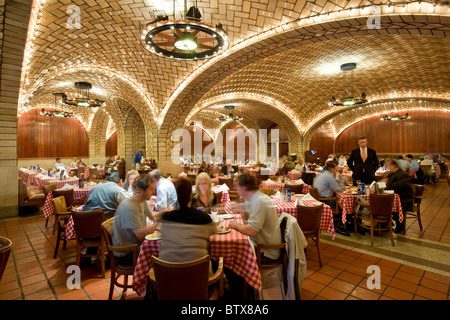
(33, 274)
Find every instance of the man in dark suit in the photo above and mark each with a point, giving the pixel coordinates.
(363, 162)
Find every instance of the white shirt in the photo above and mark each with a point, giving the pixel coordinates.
(60, 165)
(166, 195)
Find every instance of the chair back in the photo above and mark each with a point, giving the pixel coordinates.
(269, 191)
(426, 169)
(5, 250)
(418, 193)
(93, 173)
(48, 188)
(88, 224)
(314, 192)
(182, 281)
(227, 181)
(219, 197)
(381, 204)
(81, 170)
(308, 218)
(59, 203)
(191, 177)
(308, 177)
(67, 193)
(295, 188)
(23, 192)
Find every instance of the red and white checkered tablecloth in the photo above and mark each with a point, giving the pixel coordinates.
(326, 222)
(294, 175)
(282, 186)
(28, 176)
(348, 204)
(42, 181)
(234, 247)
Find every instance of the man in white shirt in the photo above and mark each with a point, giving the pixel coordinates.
(166, 194)
(59, 165)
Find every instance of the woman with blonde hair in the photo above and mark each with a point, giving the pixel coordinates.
(203, 196)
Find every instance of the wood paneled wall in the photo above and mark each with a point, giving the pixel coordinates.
(41, 136)
(426, 131)
(322, 143)
(111, 145)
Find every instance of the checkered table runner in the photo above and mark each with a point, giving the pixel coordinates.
(27, 176)
(348, 204)
(326, 222)
(234, 247)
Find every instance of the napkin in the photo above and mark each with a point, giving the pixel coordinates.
(270, 181)
(308, 197)
(224, 187)
(381, 185)
(68, 186)
(299, 181)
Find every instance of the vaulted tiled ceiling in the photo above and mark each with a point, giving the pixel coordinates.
(297, 76)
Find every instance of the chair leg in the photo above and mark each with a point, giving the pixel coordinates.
(125, 282)
(318, 248)
(113, 282)
(78, 254)
(418, 217)
(355, 224)
(371, 231)
(46, 222)
(58, 239)
(102, 259)
(391, 234)
(55, 224)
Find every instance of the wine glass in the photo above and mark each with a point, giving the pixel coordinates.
(214, 210)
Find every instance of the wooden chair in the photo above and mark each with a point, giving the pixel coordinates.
(191, 177)
(186, 280)
(227, 181)
(427, 172)
(88, 228)
(314, 192)
(47, 189)
(118, 269)
(93, 174)
(283, 261)
(308, 219)
(81, 170)
(69, 197)
(418, 194)
(5, 251)
(308, 177)
(380, 212)
(295, 188)
(269, 191)
(219, 197)
(62, 215)
(234, 196)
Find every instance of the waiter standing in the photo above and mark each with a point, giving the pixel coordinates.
(363, 162)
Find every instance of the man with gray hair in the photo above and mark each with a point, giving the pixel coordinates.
(166, 194)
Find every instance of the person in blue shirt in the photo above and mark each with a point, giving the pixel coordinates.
(138, 156)
(327, 184)
(413, 164)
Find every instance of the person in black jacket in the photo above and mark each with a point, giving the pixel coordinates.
(363, 162)
(399, 181)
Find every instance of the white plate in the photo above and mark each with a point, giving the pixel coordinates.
(227, 216)
(389, 191)
(217, 231)
(149, 237)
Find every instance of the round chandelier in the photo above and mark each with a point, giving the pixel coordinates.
(230, 116)
(82, 100)
(55, 112)
(349, 98)
(185, 39)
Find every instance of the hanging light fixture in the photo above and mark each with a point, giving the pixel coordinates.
(55, 112)
(349, 98)
(83, 100)
(230, 116)
(185, 39)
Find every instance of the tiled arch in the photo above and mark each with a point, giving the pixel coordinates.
(199, 87)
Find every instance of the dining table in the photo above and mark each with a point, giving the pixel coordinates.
(28, 175)
(290, 207)
(347, 201)
(77, 193)
(43, 180)
(281, 186)
(234, 247)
